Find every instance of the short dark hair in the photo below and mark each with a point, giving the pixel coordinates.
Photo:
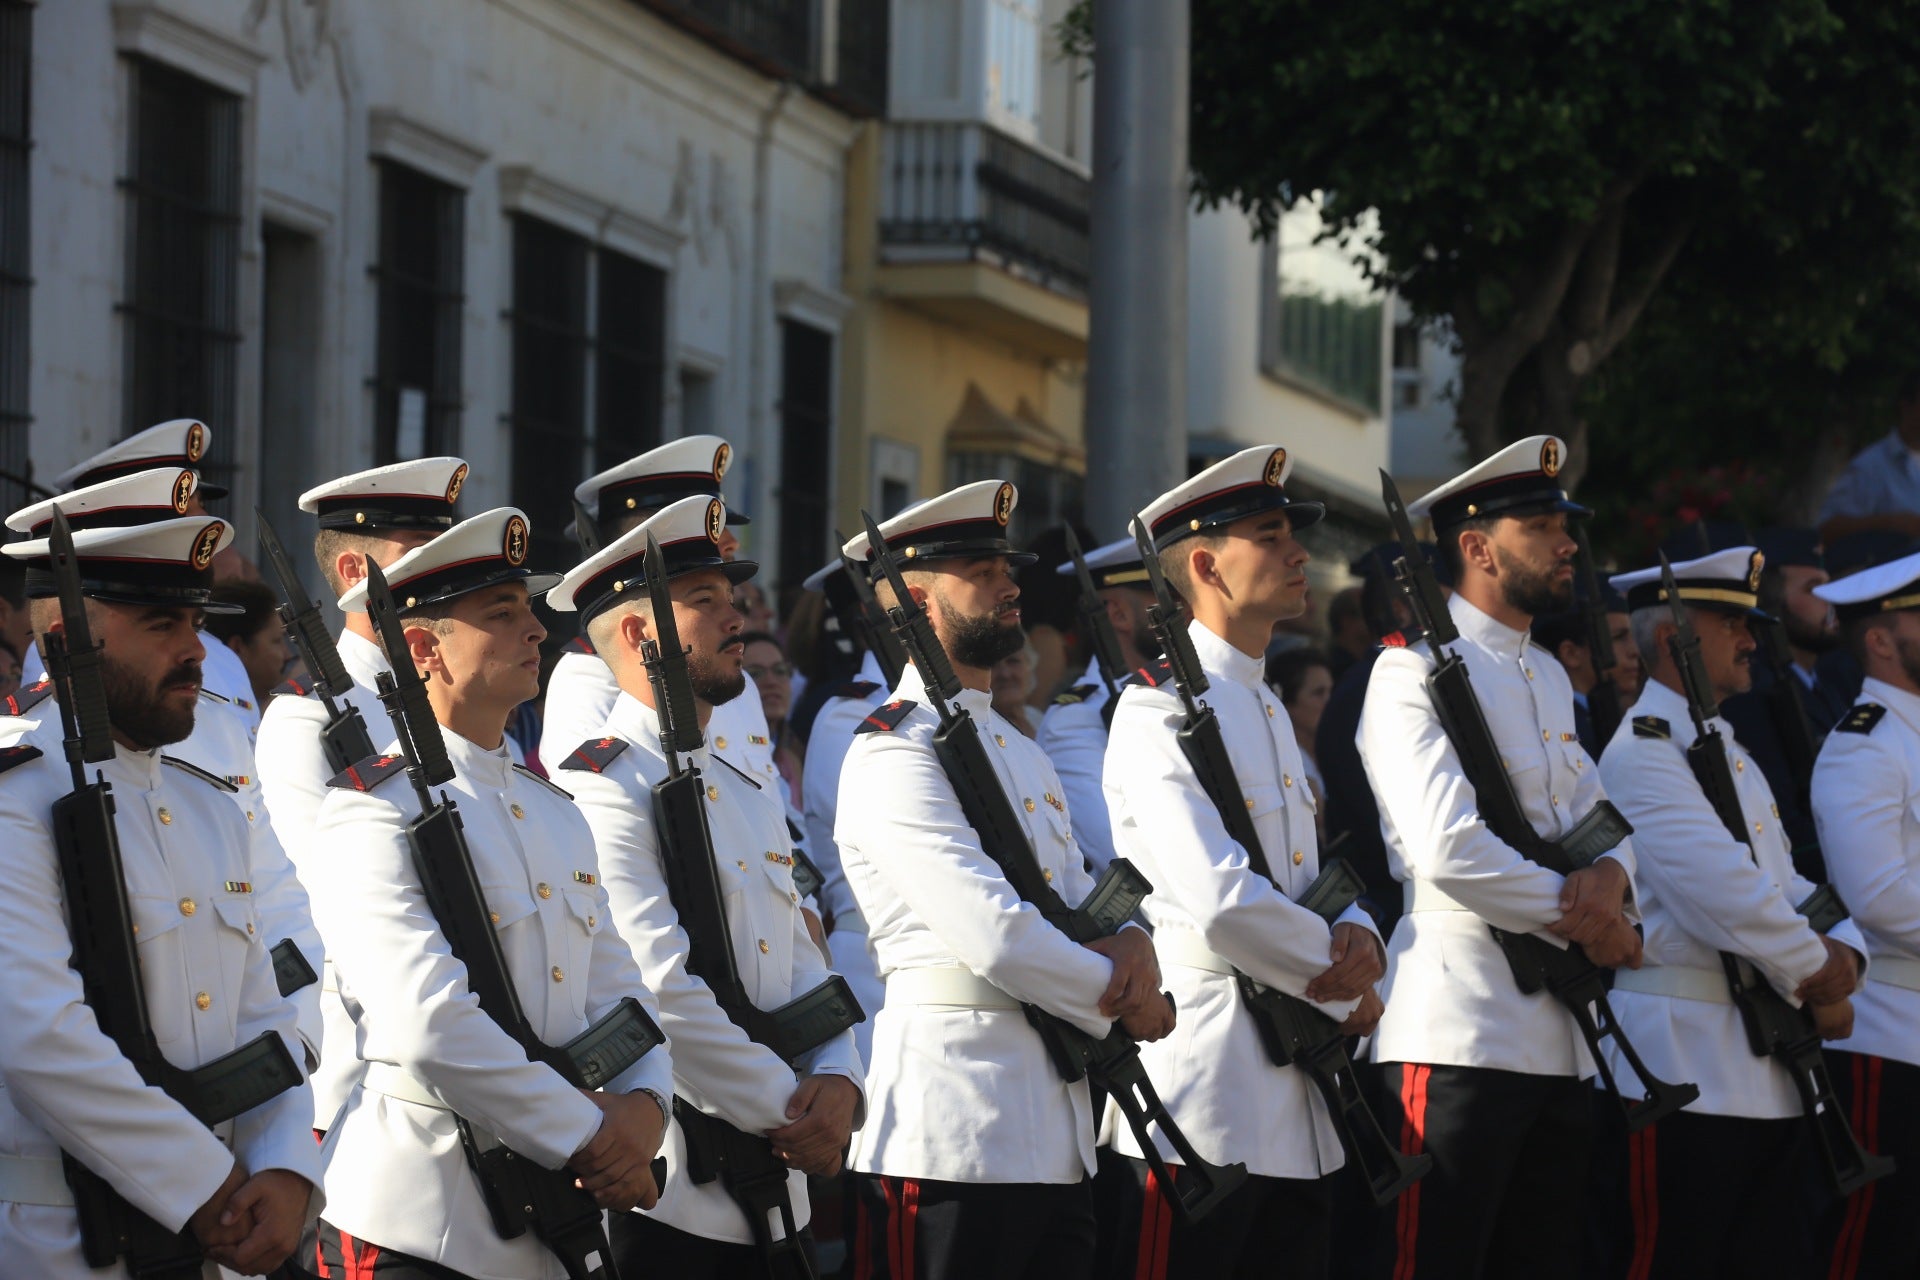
(1287, 670)
(258, 602)
(1173, 561)
(1448, 541)
(1346, 603)
(1854, 633)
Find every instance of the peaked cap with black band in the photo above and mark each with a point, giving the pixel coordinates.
(482, 551)
(1521, 479)
(145, 497)
(181, 442)
(1885, 588)
(689, 535)
(1727, 582)
(402, 495)
(692, 466)
(165, 564)
(1116, 564)
(1246, 484)
(964, 524)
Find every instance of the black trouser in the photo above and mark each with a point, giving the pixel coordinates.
(644, 1247)
(1267, 1229)
(917, 1229)
(344, 1258)
(1719, 1196)
(1510, 1153)
(1875, 1232)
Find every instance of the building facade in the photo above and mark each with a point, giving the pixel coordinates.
(544, 234)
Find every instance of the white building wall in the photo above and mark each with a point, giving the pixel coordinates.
(592, 113)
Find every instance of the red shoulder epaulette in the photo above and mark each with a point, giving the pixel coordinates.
(595, 754)
(1394, 640)
(887, 717)
(1154, 674)
(580, 644)
(369, 773)
(27, 697)
(12, 757)
(296, 688)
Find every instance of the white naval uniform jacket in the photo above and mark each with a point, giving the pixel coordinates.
(716, 1067)
(209, 987)
(219, 745)
(956, 1093)
(1212, 1072)
(293, 769)
(1074, 736)
(827, 745)
(1450, 998)
(1701, 893)
(1866, 802)
(396, 1172)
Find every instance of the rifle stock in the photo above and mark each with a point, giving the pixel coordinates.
(1603, 700)
(1565, 973)
(1112, 1063)
(520, 1194)
(1099, 628)
(345, 738)
(1775, 1028)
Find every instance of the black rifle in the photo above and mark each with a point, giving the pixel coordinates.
(1293, 1032)
(1775, 1029)
(753, 1176)
(519, 1192)
(1603, 700)
(1563, 972)
(1111, 1064)
(1099, 627)
(873, 628)
(345, 739)
(107, 957)
(585, 531)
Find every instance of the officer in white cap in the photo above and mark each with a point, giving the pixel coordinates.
(218, 744)
(1718, 1188)
(378, 516)
(1073, 732)
(582, 689)
(697, 1230)
(1866, 802)
(242, 1189)
(403, 1199)
(1487, 1079)
(1228, 542)
(827, 744)
(980, 1151)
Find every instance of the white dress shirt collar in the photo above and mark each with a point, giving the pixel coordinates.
(1221, 658)
(1485, 630)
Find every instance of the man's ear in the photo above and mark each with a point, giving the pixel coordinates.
(424, 648)
(1476, 549)
(1570, 652)
(635, 630)
(350, 567)
(1204, 566)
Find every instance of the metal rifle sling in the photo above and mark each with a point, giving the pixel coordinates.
(1563, 972)
(106, 955)
(518, 1192)
(1113, 1064)
(1774, 1027)
(345, 739)
(1603, 700)
(744, 1162)
(874, 631)
(1099, 627)
(1292, 1030)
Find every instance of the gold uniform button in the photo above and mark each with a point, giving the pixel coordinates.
(1776, 810)
(1286, 779)
(543, 889)
(1046, 873)
(249, 930)
(1529, 671)
(593, 922)
(764, 948)
(1556, 801)
(1269, 707)
(1739, 766)
(249, 815)
(166, 819)
(1030, 805)
(1249, 806)
(494, 916)
(516, 811)
(1000, 738)
(1298, 857)
(559, 974)
(203, 1002)
(721, 743)
(713, 793)
(741, 863)
(1545, 736)
(793, 895)
(188, 906)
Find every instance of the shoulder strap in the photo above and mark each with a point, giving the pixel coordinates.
(365, 775)
(595, 754)
(1651, 727)
(1861, 719)
(887, 718)
(27, 697)
(15, 756)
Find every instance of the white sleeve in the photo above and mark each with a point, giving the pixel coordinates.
(1078, 755)
(1860, 797)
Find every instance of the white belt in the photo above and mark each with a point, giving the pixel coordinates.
(1708, 986)
(1183, 947)
(958, 988)
(35, 1180)
(1424, 895)
(384, 1077)
(1895, 971)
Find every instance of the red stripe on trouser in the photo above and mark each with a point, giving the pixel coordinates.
(1866, 1126)
(1643, 1190)
(1156, 1230)
(861, 1243)
(909, 1211)
(358, 1257)
(890, 1189)
(1413, 1133)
